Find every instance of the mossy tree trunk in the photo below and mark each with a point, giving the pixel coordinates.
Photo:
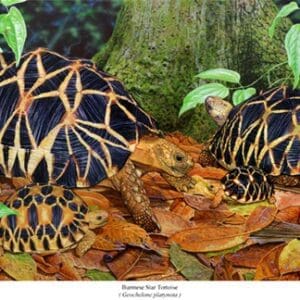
(159, 45)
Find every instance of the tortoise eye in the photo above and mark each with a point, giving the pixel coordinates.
(179, 157)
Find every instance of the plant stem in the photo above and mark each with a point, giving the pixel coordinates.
(264, 74)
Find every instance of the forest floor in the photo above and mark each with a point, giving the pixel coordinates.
(201, 238)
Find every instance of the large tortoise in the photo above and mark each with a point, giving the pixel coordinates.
(259, 142)
(64, 122)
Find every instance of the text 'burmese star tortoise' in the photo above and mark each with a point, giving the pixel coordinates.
(259, 142)
(64, 122)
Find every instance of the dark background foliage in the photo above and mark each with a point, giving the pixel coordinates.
(77, 27)
(71, 27)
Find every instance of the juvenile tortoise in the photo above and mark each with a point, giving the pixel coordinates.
(64, 122)
(259, 142)
(48, 218)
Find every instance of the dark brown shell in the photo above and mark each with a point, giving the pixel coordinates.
(263, 132)
(65, 122)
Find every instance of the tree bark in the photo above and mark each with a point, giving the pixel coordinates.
(159, 45)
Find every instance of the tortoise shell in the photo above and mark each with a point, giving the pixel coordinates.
(65, 122)
(48, 218)
(263, 132)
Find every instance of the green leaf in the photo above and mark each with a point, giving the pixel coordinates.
(292, 46)
(247, 209)
(2, 22)
(241, 95)
(6, 211)
(249, 276)
(223, 252)
(98, 275)
(289, 258)
(284, 12)
(14, 31)
(220, 74)
(198, 95)
(188, 265)
(19, 266)
(11, 2)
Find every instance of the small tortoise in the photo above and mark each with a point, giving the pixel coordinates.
(64, 122)
(259, 142)
(48, 218)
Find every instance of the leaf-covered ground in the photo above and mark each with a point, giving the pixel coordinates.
(201, 238)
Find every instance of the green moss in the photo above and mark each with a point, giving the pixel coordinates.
(158, 46)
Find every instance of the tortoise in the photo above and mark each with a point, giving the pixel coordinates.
(64, 122)
(258, 141)
(48, 218)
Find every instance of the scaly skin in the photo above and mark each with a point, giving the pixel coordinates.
(152, 154)
(134, 195)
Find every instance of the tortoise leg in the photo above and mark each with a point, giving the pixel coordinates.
(85, 243)
(132, 190)
(1, 250)
(286, 180)
(247, 185)
(181, 184)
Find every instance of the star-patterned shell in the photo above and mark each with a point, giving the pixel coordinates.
(48, 218)
(263, 132)
(63, 121)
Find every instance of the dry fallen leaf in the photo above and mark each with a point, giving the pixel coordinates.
(201, 203)
(92, 259)
(117, 233)
(67, 270)
(285, 199)
(124, 262)
(148, 264)
(268, 266)
(213, 216)
(225, 271)
(92, 198)
(180, 208)
(208, 237)
(289, 258)
(249, 257)
(208, 172)
(261, 217)
(44, 266)
(289, 214)
(169, 275)
(170, 222)
(18, 266)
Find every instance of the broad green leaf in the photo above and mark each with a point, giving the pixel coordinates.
(6, 211)
(220, 74)
(14, 31)
(18, 266)
(11, 2)
(198, 95)
(188, 265)
(292, 46)
(98, 275)
(284, 12)
(2, 22)
(289, 258)
(241, 95)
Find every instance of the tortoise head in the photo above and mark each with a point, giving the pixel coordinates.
(159, 154)
(97, 218)
(218, 109)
